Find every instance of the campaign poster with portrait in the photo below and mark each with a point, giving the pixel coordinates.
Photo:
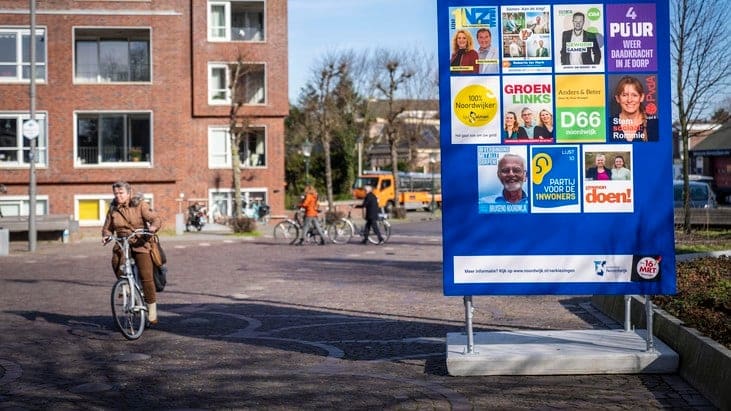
(555, 179)
(631, 37)
(475, 110)
(526, 44)
(502, 175)
(473, 40)
(608, 189)
(578, 37)
(633, 108)
(528, 109)
(588, 211)
(580, 108)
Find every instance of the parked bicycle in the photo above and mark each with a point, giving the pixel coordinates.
(343, 229)
(129, 308)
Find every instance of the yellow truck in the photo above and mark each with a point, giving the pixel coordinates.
(416, 190)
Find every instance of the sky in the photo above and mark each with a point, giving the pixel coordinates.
(317, 27)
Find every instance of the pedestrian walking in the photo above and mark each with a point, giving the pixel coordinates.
(370, 211)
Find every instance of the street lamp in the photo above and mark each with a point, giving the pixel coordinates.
(432, 162)
(307, 151)
(360, 155)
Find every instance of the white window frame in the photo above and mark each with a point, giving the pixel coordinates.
(103, 200)
(99, 79)
(145, 163)
(213, 89)
(19, 64)
(23, 204)
(227, 21)
(245, 195)
(41, 140)
(213, 153)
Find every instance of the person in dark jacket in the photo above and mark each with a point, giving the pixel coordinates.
(370, 211)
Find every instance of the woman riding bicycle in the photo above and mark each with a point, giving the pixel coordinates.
(125, 215)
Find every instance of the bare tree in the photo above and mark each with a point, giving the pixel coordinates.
(700, 49)
(238, 125)
(388, 84)
(320, 103)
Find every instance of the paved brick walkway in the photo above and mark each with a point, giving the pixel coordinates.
(249, 324)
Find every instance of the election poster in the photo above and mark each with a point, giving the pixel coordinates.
(526, 43)
(528, 109)
(608, 189)
(579, 38)
(631, 37)
(555, 179)
(502, 179)
(473, 49)
(580, 108)
(633, 108)
(475, 115)
(556, 164)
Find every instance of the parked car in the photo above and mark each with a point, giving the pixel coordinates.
(701, 194)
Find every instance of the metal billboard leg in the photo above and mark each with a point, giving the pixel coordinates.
(468, 312)
(648, 316)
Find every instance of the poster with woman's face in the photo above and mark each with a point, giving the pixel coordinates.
(632, 102)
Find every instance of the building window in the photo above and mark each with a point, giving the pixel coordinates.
(251, 83)
(15, 54)
(252, 150)
(14, 206)
(14, 148)
(236, 20)
(112, 55)
(222, 203)
(113, 138)
(91, 210)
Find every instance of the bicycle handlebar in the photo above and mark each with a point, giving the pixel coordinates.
(121, 240)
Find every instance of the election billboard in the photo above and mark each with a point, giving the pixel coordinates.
(556, 148)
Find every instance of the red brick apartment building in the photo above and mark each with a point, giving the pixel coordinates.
(136, 90)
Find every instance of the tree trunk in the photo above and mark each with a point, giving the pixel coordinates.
(328, 171)
(236, 168)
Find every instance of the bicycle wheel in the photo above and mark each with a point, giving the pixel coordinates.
(340, 231)
(286, 232)
(129, 319)
(385, 228)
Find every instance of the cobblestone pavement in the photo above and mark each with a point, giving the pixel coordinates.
(250, 324)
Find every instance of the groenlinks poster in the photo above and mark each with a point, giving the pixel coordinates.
(557, 156)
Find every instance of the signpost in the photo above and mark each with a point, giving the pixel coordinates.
(31, 129)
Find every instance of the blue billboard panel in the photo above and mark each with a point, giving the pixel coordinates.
(557, 151)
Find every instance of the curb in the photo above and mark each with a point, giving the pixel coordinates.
(704, 363)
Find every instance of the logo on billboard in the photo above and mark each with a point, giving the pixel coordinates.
(646, 268)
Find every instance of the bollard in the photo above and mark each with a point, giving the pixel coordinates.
(65, 236)
(179, 223)
(4, 241)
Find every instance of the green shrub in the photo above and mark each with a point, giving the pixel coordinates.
(242, 224)
(703, 300)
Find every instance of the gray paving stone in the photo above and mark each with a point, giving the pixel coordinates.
(250, 324)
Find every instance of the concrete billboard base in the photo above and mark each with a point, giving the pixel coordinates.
(558, 353)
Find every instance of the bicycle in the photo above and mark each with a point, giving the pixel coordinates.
(288, 231)
(129, 308)
(342, 230)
